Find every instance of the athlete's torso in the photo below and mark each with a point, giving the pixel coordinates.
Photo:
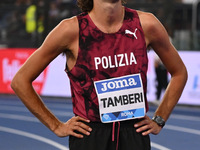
(104, 56)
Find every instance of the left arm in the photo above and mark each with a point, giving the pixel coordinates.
(157, 37)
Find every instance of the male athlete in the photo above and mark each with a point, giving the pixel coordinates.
(106, 50)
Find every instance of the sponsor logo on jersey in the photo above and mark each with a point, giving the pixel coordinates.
(132, 33)
(118, 60)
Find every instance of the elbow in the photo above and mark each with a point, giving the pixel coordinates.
(17, 83)
(14, 83)
(185, 74)
(20, 83)
(180, 74)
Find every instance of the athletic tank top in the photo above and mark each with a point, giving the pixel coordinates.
(104, 56)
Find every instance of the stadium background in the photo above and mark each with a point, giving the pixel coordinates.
(25, 23)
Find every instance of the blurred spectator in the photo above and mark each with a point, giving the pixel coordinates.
(34, 20)
(31, 17)
(26, 20)
(161, 78)
(48, 13)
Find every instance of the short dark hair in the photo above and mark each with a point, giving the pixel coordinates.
(87, 5)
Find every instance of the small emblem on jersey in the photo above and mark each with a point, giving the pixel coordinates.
(131, 33)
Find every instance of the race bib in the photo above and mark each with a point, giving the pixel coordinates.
(120, 98)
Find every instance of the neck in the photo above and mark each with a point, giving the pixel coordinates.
(107, 13)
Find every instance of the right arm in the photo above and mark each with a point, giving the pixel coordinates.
(60, 38)
(157, 37)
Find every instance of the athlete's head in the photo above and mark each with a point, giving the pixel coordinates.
(87, 5)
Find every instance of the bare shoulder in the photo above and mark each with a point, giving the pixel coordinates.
(67, 29)
(148, 21)
(62, 36)
(146, 17)
(152, 27)
(70, 26)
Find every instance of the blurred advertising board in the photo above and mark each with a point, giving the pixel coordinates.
(54, 81)
(191, 93)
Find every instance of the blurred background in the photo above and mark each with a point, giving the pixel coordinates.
(24, 24)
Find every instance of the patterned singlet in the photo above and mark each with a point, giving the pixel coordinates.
(104, 56)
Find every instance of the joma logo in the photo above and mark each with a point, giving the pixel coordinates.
(118, 84)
